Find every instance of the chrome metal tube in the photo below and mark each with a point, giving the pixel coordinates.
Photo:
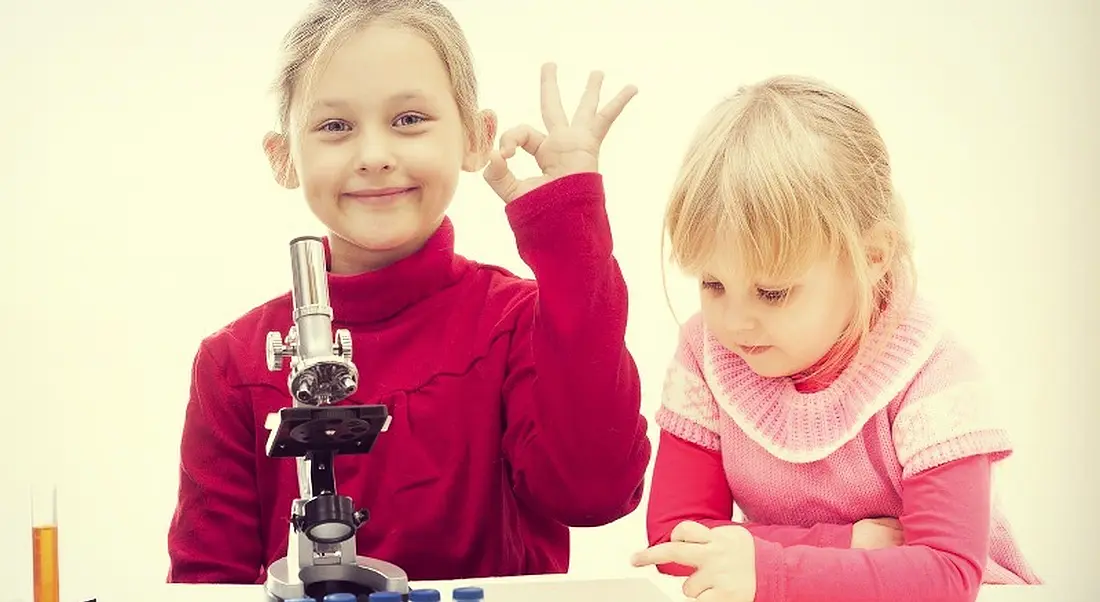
(312, 312)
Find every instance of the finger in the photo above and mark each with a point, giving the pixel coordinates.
(601, 123)
(691, 532)
(590, 101)
(499, 177)
(710, 595)
(521, 136)
(679, 552)
(699, 582)
(553, 114)
(891, 523)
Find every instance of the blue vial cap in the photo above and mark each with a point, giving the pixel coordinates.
(468, 593)
(424, 595)
(384, 597)
(341, 597)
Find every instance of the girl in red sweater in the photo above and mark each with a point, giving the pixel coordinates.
(502, 391)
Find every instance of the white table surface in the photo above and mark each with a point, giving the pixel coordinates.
(645, 587)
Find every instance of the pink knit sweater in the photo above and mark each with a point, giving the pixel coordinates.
(844, 453)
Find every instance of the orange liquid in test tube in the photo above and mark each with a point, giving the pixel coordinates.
(47, 583)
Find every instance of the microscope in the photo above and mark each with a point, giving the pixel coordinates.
(321, 555)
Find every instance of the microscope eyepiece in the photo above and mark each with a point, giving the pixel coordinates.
(321, 370)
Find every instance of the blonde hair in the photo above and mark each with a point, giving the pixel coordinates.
(782, 174)
(327, 23)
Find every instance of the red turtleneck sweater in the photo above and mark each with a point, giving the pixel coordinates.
(515, 409)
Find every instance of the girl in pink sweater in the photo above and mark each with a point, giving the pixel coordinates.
(816, 392)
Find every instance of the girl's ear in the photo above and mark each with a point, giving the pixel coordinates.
(880, 243)
(480, 141)
(277, 149)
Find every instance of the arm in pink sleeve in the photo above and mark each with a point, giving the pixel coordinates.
(689, 483)
(945, 517)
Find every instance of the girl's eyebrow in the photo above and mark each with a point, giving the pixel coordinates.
(409, 95)
(404, 95)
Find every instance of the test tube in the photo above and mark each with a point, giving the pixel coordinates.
(47, 583)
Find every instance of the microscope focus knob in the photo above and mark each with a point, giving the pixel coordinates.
(361, 516)
(276, 351)
(343, 343)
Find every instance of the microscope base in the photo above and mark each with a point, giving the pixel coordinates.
(366, 576)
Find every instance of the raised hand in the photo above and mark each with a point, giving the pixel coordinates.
(567, 147)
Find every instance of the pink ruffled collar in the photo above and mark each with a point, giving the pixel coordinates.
(808, 426)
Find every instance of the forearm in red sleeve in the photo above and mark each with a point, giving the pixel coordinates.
(575, 436)
(689, 483)
(214, 536)
(946, 521)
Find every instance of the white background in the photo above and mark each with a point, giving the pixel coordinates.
(138, 215)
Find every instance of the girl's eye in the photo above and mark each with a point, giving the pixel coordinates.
(334, 126)
(772, 296)
(409, 119)
(712, 285)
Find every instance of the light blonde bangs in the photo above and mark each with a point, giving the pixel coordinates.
(309, 46)
(756, 197)
(326, 40)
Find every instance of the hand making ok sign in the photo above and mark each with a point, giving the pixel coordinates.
(567, 147)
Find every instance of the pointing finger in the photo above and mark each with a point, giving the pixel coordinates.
(678, 552)
(604, 118)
